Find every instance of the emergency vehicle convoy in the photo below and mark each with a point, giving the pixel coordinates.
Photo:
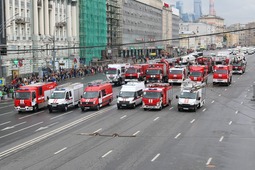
(222, 74)
(198, 73)
(177, 74)
(33, 97)
(206, 61)
(157, 96)
(97, 94)
(136, 72)
(130, 95)
(192, 96)
(116, 73)
(65, 96)
(158, 72)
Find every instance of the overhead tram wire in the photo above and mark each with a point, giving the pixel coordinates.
(147, 42)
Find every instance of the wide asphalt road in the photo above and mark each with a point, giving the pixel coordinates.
(220, 135)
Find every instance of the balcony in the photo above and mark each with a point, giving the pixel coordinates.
(60, 24)
(22, 20)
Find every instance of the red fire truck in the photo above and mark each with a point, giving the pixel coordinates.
(177, 74)
(222, 74)
(136, 72)
(97, 94)
(206, 61)
(158, 72)
(33, 97)
(198, 73)
(156, 96)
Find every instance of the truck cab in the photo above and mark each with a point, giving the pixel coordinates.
(97, 94)
(116, 73)
(239, 67)
(198, 73)
(177, 75)
(157, 96)
(222, 74)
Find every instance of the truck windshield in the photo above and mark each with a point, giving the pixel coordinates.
(221, 71)
(58, 95)
(151, 72)
(126, 94)
(131, 70)
(111, 71)
(151, 95)
(195, 74)
(188, 95)
(175, 71)
(237, 64)
(22, 95)
(90, 94)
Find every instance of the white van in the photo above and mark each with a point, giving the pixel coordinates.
(130, 95)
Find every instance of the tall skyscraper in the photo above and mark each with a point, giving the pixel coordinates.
(197, 9)
(211, 8)
(179, 5)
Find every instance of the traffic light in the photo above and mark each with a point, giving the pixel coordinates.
(3, 51)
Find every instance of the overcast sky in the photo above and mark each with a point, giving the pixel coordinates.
(233, 11)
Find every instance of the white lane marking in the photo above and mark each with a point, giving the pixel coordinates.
(212, 101)
(234, 81)
(156, 118)
(11, 127)
(226, 89)
(46, 127)
(230, 85)
(236, 112)
(238, 78)
(209, 161)
(171, 108)
(230, 122)
(18, 131)
(219, 94)
(192, 121)
(136, 133)
(97, 130)
(6, 106)
(248, 89)
(6, 113)
(107, 153)
(51, 133)
(61, 150)
(155, 157)
(221, 139)
(177, 135)
(123, 117)
(241, 102)
(60, 115)
(204, 109)
(5, 123)
(30, 115)
(245, 96)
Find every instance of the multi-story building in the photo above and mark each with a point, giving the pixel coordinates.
(93, 30)
(175, 27)
(218, 22)
(34, 29)
(197, 9)
(179, 6)
(114, 27)
(250, 34)
(238, 29)
(167, 25)
(198, 30)
(142, 25)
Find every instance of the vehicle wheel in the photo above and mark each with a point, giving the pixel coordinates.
(82, 109)
(118, 107)
(50, 110)
(98, 107)
(195, 108)
(19, 111)
(134, 106)
(179, 109)
(144, 109)
(35, 108)
(65, 108)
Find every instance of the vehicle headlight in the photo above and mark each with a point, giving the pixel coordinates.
(94, 102)
(158, 104)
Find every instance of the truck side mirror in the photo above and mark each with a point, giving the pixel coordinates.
(177, 97)
(81, 96)
(48, 98)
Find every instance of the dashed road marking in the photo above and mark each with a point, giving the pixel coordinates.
(226, 89)
(136, 133)
(177, 135)
(230, 122)
(61, 150)
(212, 101)
(221, 139)
(155, 157)
(236, 112)
(30, 115)
(219, 94)
(123, 117)
(204, 109)
(61, 115)
(156, 118)
(5, 123)
(241, 102)
(97, 130)
(192, 121)
(107, 154)
(171, 108)
(209, 161)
